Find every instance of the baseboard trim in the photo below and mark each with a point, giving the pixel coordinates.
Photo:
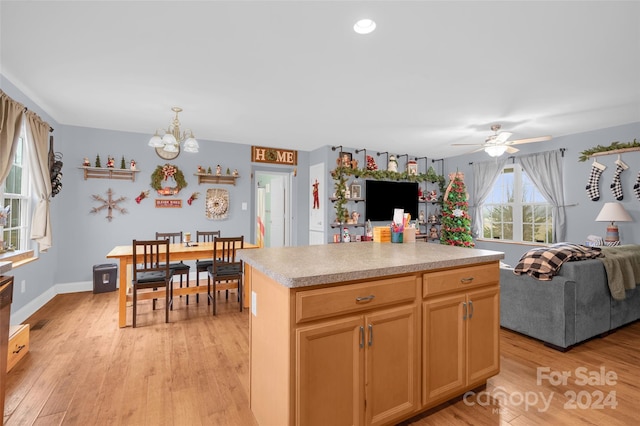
(30, 308)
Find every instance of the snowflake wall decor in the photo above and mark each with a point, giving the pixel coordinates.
(110, 204)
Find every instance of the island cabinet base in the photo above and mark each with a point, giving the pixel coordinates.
(370, 352)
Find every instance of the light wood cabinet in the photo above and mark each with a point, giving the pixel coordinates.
(372, 352)
(460, 332)
(365, 367)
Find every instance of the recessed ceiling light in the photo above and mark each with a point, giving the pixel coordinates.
(364, 26)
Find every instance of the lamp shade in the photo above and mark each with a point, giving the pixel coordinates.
(613, 212)
(495, 150)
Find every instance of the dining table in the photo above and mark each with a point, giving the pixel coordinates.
(177, 252)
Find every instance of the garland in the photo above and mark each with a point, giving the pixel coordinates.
(613, 147)
(162, 173)
(340, 173)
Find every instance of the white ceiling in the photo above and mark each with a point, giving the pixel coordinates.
(294, 74)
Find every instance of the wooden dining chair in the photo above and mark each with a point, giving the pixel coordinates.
(151, 271)
(203, 265)
(178, 268)
(226, 271)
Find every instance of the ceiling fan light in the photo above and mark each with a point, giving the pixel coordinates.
(495, 150)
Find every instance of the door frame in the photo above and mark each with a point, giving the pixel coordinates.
(288, 175)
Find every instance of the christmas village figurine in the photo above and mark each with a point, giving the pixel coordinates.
(371, 163)
(355, 216)
(200, 169)
(433, 233)
(218, 170)
(86, 162)
(421, 216)
(235, 172)
(432, 196)
(110, 162)
(393, 164)
(133, 165)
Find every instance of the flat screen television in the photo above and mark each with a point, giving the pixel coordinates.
(382, 197)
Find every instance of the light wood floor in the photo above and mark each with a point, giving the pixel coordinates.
(83, 370)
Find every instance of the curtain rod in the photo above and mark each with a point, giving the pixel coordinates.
(513, 157)
(50, 128)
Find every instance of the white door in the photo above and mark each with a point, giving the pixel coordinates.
(273, 209)
(277, 222)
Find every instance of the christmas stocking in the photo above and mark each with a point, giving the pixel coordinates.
(636, 187)
(594, 181)
(616, 186)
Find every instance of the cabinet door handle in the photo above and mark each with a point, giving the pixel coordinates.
(370, 334)
(464, 311)
(361, 337)
(365, 298)
(466, 280)
(470, 309)
(19, 348)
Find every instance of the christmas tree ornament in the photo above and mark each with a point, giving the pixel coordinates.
(593, 190)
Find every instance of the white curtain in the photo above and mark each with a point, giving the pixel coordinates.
(545, 171)
(37, 137)
(485, 174)
(11, 115)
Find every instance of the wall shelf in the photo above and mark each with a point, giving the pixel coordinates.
(340, 225)
(108, 173)
(615, 151)
(209, 178)
(334, 199)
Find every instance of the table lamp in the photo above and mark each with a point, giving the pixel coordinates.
(613, 212)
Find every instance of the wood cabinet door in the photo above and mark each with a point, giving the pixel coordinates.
(443, 343)
(330, 373)
(392, 364)
(483, 334)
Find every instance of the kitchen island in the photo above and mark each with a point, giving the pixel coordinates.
(368, 333)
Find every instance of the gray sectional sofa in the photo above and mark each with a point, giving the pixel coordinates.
(571, 308)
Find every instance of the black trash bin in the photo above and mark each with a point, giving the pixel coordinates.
(104, 277)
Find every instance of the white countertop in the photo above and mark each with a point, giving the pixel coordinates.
(331, 263)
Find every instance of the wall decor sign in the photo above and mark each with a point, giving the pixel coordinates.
(168, 204)
(261, 154)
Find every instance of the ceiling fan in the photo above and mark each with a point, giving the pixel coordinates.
(498, 143)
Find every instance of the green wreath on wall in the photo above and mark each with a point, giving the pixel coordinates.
(162, 174)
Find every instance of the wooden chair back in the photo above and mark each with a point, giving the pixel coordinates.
(206, 236)
(173, 237)
(150, 256)
(225, 264)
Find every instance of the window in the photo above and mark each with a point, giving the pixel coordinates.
(516, 211)
(15, 193)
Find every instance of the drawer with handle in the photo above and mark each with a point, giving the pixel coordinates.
(459, 279)
(18, 344)
(329, 302)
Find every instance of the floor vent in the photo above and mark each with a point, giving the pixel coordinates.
(39, 325)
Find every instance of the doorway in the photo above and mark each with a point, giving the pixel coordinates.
(272, 195)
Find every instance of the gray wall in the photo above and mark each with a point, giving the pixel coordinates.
(82, 239)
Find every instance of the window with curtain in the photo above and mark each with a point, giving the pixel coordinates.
(15, 194)
(515, 210)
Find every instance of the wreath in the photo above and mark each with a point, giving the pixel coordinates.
(218, 206)
(163, 173)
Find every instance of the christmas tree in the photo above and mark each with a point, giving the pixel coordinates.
(456, 223)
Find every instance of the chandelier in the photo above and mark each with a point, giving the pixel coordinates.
(172, 138)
